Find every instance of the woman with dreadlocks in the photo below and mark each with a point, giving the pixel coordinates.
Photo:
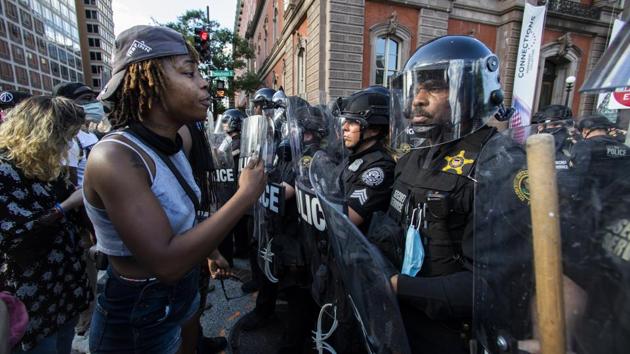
(142, 198)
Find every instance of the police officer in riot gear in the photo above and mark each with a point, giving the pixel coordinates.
(598, 150)
(232, 122)
(441, 102)
(263, 103)
(369, 170)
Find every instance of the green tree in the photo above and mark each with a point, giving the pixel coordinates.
(219, 58)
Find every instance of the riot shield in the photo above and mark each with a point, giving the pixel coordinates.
(360, 265)
(593, 199)
(257, 140)
(312, 128)
(224, 173)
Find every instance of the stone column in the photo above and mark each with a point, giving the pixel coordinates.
(345, 46)
(432, 23)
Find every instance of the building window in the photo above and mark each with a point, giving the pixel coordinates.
(94, 42)
(96, 83)
(26, 20)
(387, 52)
(275, 21)
(63, 57)
(12, 11)
(4, 50)
(390, 44)
(92, 28)
(39, 27)
(91, 14)
(36, 80)
(54, 68)
(301, 71)
(64, 72)
(29, 40)
(21, 76)
(3, 28)
(15, 33)
(18, 54)
(43, 64)
(96, 69)
(6, 71)
(33, 61)
(41, 45)
(46, 83)
(52, 50)
(95, 56)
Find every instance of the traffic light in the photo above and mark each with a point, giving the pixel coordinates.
(202, 37)
(220, 85)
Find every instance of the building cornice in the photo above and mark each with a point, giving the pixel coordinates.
(251, 27)
(287, 31)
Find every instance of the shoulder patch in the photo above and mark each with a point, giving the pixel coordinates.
(360, 195)
(373, 177)
(521, 186)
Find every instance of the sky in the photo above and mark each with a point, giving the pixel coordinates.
(128, 13)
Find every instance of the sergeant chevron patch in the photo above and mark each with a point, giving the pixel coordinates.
(360, 195)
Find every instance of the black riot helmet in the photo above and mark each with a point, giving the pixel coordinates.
(279, 99)
(264, 98)
(449, 88)
(378, 88)
(595, 122)
(234, 119)
(552, 113)
(368, 107)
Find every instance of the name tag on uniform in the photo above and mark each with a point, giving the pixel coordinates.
(354, 167)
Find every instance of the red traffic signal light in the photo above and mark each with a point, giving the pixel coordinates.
(204, 36)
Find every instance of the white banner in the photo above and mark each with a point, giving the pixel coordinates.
(526, 73)
(617, 100)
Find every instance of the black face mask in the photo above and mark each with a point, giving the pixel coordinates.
(158, 142)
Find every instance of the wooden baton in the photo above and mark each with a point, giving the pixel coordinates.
(543, 189)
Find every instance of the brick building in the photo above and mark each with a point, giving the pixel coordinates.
(340, 46)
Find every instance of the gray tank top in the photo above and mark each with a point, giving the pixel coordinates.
(176, 204)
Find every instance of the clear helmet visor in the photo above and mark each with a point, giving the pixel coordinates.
(220, 125)
(439, 103)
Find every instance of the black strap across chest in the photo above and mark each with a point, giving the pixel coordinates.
(169, 163)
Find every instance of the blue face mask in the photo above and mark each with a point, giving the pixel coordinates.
(414, 251)
(94, 111)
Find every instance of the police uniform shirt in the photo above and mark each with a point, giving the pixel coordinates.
(597, 155)
(367, 179)
(435, 304)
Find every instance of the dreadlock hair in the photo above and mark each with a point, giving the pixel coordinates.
(143, 86)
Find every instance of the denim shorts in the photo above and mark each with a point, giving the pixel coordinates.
(132, 317)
